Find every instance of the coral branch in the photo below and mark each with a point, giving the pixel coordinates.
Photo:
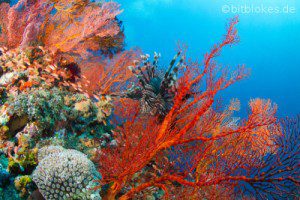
(194, 128)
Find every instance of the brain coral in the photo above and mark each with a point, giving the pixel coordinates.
(65, 174)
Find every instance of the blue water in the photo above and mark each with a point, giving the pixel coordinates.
(269, 41)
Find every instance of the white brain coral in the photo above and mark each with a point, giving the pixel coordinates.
(66, 174)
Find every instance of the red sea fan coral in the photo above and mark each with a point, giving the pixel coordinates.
(4, 7)
(206, 142)
(76, 26)
(24, 21)
(71, 26)
(75, 32)
(109, 76)
(276, 175)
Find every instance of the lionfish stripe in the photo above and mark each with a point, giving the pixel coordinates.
(172, 63)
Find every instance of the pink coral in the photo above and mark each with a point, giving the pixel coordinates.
(59, 25)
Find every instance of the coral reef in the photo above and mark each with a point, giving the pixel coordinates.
(23, 161)
(44, 97)
(7, 189)
(69, 115)
(65, 174)
(43, 102)
(52, 102)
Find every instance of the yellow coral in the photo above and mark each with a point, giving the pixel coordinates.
(69, 99)
(84, 107)
(105, 107)
(21, 182)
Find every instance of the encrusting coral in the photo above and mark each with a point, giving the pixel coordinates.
(22, 183)
(65, 174)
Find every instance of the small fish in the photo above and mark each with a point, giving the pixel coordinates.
(130, 68)
(48, 59)
(63, 74)
(27, 62)
(73, 85)
(52, 67)
(55, 76)
(41, 48)
(79, 85)
(64, 84)
(96, 97)
(86, 94)
(23, 66)
(48, 70)
(9, 64)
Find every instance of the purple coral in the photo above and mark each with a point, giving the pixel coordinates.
(278, 175)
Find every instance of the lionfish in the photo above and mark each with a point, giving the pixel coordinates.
(155, 91)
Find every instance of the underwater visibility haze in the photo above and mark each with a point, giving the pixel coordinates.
(149, 99)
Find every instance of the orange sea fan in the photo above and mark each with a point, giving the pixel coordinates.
(193, 135)
(24, 21)
(262, 138)
(108, 76)
(4, 7)
(71, 26)
(65, 26)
